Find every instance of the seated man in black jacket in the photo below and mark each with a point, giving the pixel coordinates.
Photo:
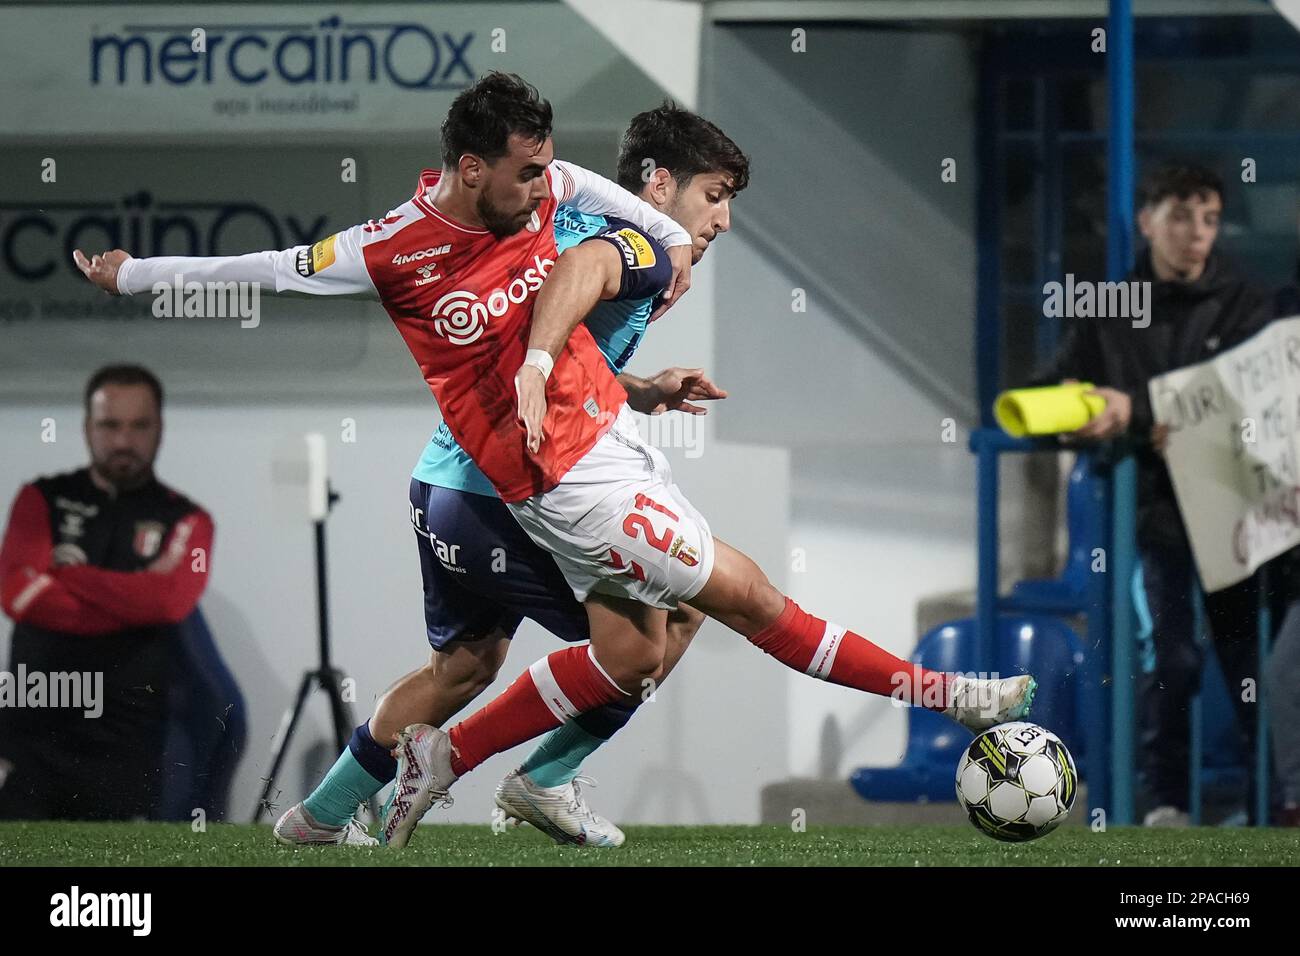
(98, 568)
(1198, 308)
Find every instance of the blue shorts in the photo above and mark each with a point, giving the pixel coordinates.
(482, 573)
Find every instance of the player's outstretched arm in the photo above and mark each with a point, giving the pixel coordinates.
(583, 276)
(334, 266)
(592, 193)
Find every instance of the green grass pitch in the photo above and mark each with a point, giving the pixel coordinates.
(158, 844)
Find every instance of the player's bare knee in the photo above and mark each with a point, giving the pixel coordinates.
(631, 676)
(475, 682)
(462, 676)
(471, 685)
(632, 668)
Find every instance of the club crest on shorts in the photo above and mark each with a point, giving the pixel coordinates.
(148, 538)
(684, 553)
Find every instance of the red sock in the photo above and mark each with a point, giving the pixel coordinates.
(559, 686)
(829, 652)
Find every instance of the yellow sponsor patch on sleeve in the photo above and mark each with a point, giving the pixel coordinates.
(642, 252)
(322, 254)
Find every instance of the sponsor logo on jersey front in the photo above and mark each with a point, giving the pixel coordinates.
(460, 317)
(402, 259)
(575, 222)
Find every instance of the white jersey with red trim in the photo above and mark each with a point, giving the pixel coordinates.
(462, 300)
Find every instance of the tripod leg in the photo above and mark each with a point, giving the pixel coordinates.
(288, 724)
(340, 712)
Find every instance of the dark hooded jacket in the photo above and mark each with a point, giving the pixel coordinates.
(1190, 323)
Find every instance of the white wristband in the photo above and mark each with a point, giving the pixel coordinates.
(541, 360)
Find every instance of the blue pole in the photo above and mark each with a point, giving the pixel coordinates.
(988, 336)
(1264, 637)
(988, 286)
(1196, 754)
(1100, 602)
(1120, 146)
(986, 593)
(1122, 630)
(1119, 260)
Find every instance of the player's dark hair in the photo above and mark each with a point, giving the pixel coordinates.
(682, 142)
(124, 375)
(1180, 179)
(483, 117)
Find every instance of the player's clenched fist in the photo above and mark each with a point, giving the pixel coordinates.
(102, 269)
(530, 387)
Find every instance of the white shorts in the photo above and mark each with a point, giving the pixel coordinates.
(618, 525)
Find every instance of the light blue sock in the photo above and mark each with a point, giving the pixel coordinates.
(347, 785)
(556, 760)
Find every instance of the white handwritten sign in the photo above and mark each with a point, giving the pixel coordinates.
(1232, 452)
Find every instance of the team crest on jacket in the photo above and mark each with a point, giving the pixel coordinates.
(148, 538)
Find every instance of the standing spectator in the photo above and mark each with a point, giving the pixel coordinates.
(98, 568)
(1198, 308)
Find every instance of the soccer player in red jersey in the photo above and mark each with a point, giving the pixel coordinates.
(626, 539)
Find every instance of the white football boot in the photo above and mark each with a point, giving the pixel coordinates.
(424, 775)
(983, 703)
(297, 827)
(560, 812)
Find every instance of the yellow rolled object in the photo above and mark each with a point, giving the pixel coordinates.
(1049, 410)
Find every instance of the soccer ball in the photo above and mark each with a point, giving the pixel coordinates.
(1016, 781)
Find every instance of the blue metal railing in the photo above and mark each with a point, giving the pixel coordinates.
(1097, 602)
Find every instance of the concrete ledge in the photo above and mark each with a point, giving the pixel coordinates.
(835, 803)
